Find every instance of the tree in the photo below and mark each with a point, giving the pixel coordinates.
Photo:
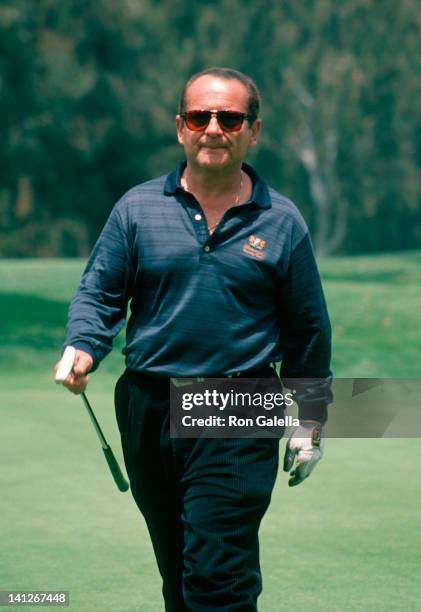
(89, 94)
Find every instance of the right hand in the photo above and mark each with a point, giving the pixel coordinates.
(77, 380)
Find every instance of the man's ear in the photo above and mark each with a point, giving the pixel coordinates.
(179, 124)
(255, 131)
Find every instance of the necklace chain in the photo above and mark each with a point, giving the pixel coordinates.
(237, 199)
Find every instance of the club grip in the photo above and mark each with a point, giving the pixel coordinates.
(119, 479)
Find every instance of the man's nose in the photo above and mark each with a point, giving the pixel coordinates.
(213, 126)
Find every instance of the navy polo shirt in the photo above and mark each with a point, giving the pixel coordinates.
(201, 304)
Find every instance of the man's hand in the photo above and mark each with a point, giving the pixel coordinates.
(306, 446)
(77, 380)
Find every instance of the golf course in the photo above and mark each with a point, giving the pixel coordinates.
(348, 539)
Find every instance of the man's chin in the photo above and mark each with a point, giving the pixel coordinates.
(213, 158)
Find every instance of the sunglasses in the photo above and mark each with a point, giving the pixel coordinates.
(229, 121)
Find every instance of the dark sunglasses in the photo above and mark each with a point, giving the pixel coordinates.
(229, 121)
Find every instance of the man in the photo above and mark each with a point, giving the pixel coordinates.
(222, 280)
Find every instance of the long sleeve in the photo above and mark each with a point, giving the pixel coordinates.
(306, 333)
(98, 309)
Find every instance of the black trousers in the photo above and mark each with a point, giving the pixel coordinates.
(202, 500)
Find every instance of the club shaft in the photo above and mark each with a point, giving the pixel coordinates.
(116, 472)
(95, 423)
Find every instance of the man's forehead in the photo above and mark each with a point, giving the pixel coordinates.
(216, 92)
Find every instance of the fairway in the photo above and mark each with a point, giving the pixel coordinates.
(347, 539)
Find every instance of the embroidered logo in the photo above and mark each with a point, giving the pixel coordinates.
(255, 247)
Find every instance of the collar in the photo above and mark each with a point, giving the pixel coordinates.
(260, 194)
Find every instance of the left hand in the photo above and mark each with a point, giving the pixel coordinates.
(305, 445)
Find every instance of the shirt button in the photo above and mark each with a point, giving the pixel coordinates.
(197, 217)
(207, 249)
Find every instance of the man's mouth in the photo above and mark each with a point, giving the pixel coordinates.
(207, 146)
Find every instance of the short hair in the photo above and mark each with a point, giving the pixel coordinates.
(253, 104)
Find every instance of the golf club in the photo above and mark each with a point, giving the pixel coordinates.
(64, 369)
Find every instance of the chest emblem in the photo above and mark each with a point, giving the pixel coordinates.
(255, 246)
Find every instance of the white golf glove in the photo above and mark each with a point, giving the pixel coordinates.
(305, 445)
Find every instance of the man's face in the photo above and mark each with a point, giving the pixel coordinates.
(214, 148)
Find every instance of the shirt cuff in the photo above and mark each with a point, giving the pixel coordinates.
(313, 411)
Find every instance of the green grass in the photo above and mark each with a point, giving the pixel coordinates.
(375, 303)
(348, 539)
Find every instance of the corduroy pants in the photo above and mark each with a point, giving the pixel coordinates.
(202, 500)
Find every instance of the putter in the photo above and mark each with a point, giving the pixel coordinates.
(64, 369)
